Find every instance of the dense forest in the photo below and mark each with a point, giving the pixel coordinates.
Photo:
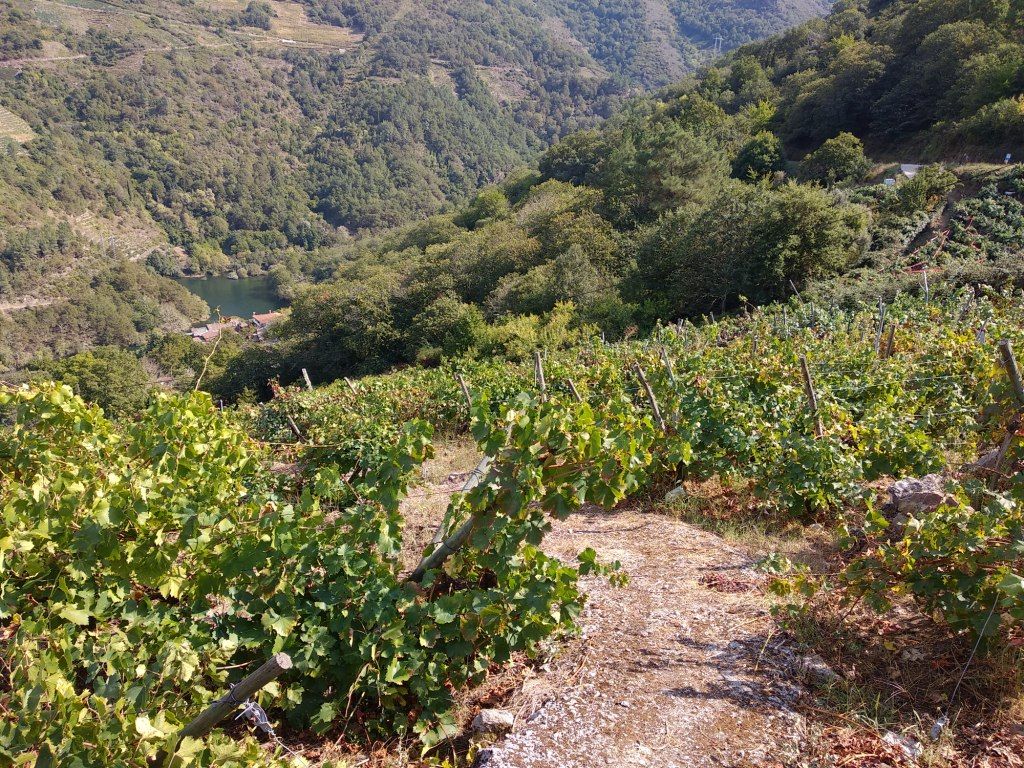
(737, 187)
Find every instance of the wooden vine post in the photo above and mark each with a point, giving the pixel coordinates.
(351, 386)
(295, 429)
(1010, 364)
(1013, 372)
(881, 327)
(273, 668)
(658, 418)
(309, 384)
(575, 392)
(668, 368)
(465, 391)
(812, 397)
(890, 344)
(538, 370)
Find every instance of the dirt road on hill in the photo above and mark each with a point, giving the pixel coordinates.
(669, 670)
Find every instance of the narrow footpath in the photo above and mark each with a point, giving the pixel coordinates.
(672, 670)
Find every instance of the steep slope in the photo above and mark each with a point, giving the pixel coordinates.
(240, 135)
(730, 189)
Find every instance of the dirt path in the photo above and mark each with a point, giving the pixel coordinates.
(668, 671)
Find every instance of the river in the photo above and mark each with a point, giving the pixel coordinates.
(238, 298)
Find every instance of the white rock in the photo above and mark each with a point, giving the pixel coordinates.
(910, 747)
(676, 495)
(494, 721)
(814, 670)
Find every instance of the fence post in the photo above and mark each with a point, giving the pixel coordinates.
(659, 419)
(351, 386)
(309, 384)
(812, 398)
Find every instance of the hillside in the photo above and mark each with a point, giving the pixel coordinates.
(182, 546)
(227, 135)
(736, 187)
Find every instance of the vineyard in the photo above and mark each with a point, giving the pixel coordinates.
(148, 565)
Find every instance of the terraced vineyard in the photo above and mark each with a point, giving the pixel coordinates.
(224, 557)
(14, 128)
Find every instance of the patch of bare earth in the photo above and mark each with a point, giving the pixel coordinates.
(668, 669)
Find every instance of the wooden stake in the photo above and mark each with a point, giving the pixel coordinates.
(668, 367)
(538, 370)
(277, 665)
(351, 386)
(1010, 364)
(890, 344)
(927, 293)
(812, 398)
(309, 384)
(295, 429)
(881, 327)
(465, 391)
(658, 418)
(575, 392)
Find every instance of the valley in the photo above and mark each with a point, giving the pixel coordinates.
(603, 383)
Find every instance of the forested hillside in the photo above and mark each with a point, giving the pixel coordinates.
(736, 187)
(227, 135)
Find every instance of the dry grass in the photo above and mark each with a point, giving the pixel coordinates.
(730, 509)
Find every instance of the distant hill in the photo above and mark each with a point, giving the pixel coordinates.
(242, 134)
(776, 170)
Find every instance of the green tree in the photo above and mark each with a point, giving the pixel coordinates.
(759, 157)
(448, 326)
(112, 378)
(751, 241)
(840, 159)
(490, 204)
(928, 185)
(575, 159)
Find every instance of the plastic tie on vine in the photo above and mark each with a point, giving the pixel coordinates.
(255, 716)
